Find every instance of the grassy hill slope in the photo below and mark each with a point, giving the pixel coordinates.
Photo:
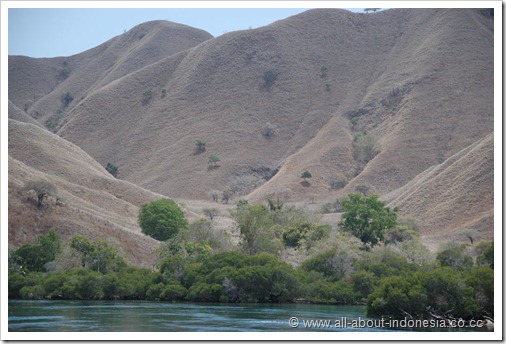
(418, 80)
(89, 200)
(455, 198)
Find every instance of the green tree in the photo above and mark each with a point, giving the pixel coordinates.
(34, 257)
(97, 255)
(162, 219)
(50, 244)
(367, 218)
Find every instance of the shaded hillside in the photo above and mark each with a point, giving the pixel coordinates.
(454, 199)
(20, 115)
(419, 80)
(39, 84)
(88, 202)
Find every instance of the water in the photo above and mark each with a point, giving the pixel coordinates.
(144, 316)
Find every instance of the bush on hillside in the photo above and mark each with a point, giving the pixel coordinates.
(112, 169)
(162, 219)
(43, 190)
(270, 78)
(67, 98)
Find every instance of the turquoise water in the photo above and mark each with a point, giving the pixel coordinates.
(144, 316)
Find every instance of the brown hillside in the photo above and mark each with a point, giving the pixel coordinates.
(455, 198)
(20, 115)
(420, 80)
(271, 103)
(41, 83)
(91, 202)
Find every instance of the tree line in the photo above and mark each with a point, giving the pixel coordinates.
(371, 260)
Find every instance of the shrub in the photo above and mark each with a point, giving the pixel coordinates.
(269, 130)
(112, 169)
(67, 98)
(324, 71)
(365, 148)
(275, 203)
(337, 181)
(54, 120)
(214, 160)
(455, 257)
(162, 219)
(400, 233)
(64, 73)
(305, 176)
(332, 264)
(215, 195)
(306, 232)
(270, 78)
(210, 212)
(43, 189)
(256, 227)
(226, 195)
(200, 146)
(486, 257)
(147, 94)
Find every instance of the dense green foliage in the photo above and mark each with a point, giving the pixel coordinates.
(35, 257)
(162, 219)
(395, 277)
(307, 232)
(367, 218)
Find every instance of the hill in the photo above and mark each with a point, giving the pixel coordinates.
(40, 84)
(89, 200)
(418, 80)
(399, 103)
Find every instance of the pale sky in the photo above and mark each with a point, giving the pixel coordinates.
(50, 32)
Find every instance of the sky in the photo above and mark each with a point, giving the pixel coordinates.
(50, 32)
